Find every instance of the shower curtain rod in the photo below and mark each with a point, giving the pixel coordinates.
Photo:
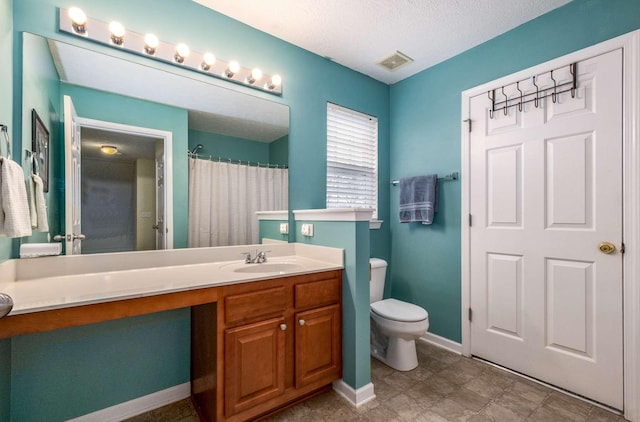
(240, 162)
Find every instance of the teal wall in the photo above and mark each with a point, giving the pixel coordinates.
(116, 108)
(224, 146)
(5, 379)
(353, 237)
(270, 229)
(41, 91)
(70, 372)
(425, 134)
(6, 99)
(279, 151)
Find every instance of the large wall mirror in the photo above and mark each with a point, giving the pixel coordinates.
(144, 135)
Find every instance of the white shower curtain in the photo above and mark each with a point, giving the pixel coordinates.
(224, 198)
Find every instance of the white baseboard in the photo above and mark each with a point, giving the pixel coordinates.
(445, 343)
(137, 406)
(356, 397)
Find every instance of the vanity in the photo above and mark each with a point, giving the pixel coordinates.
(263, 336)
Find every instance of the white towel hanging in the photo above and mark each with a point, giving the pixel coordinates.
(42, 225)
(14, 215)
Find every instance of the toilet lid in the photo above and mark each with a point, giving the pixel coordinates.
(398, 310)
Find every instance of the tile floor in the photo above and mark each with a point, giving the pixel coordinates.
(444, 387)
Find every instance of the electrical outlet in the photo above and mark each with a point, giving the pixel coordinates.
(284, 228)
(307, 229)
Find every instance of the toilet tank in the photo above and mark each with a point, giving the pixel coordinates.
(378, 273)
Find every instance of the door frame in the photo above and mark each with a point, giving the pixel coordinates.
(167, 140)
(630, 44)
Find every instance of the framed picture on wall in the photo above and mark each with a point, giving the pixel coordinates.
(40, 148)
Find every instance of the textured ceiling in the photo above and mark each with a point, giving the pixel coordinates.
(360, 33)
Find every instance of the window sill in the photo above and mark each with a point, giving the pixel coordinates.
(375, 224)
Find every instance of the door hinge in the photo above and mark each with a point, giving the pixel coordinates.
(468, 121)
(622, 247)
(470, 220)
(470, 315)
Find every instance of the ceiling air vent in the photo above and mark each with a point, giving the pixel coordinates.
(395, 61)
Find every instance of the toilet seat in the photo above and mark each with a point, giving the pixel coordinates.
(398, 310)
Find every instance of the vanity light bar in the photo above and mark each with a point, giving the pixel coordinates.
(117, 36)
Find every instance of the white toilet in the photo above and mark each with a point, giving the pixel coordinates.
(395, 325)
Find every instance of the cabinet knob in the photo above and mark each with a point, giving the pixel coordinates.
(301, 321)
(283, 327)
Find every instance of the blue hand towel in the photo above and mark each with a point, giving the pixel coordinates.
(418, 199)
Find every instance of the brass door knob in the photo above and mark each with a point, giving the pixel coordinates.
(607, 247)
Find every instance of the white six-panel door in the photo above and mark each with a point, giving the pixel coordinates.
(545, 191)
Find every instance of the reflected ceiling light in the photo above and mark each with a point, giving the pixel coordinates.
(78, 20)
(208, 60)
(117, 32)
(182, 52)
(232, 69)
(108, 149)
(274, 82)
(254, 75)
(150, 44)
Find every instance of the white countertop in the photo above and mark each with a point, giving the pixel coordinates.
(39, 284)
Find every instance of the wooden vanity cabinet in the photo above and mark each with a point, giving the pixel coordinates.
(278, 342)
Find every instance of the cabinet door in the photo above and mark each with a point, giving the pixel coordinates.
(254, 364)
(318, 345)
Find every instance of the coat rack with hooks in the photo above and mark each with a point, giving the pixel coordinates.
(500, 100)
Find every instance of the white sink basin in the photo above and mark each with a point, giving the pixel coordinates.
(268, 268)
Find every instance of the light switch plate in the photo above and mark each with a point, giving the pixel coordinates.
(284, 228)
(307, 229)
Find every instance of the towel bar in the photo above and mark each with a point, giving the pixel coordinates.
(450, 176)
(5, 131)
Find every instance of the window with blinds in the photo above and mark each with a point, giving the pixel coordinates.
(352, 159)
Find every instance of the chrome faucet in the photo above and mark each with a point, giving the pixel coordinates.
(259, 258)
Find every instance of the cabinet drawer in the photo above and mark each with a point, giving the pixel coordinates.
(317, 293)
(254, 305)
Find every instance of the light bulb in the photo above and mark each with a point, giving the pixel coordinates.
(254, 75)
(117, 32)
(232, 68)
(208, 60)
(275, 81)
(108, 149)
(78, 20)
(182, 52)
(150, 44)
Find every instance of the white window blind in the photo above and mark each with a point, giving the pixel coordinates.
(352, 159)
